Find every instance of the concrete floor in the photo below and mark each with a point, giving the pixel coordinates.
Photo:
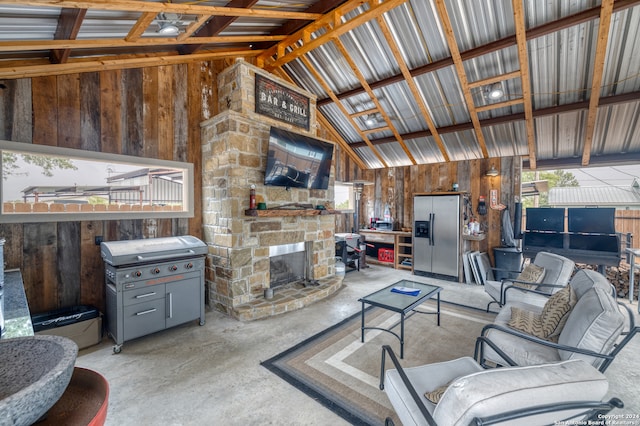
(211, 375)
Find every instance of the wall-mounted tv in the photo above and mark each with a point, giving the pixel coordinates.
(297, 161)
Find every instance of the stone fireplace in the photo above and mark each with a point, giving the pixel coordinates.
(234, 149)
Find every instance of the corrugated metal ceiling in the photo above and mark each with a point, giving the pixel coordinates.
(419, 68)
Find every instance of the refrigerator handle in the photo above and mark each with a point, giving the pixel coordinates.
(432, 219)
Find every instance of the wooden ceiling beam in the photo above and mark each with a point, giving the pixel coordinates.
(497, 105)
(363, 81)
(324, 122)
(365, 112)
(140, 26)
(69, 25)
(290, 27)
(523, 58)
(342, 108)
(102, 64)
(376, 130)
(157, 7)
(576, 162)
(216, 25)
(413, 87)
(462, 75)
(193, 27)
(494, 46)
(34, 45)
(596, 83)
(544, 112)
(494, 79)
(291, 48)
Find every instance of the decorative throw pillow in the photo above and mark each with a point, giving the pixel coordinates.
(531, 274)
(435, 395)
(549, 323)
(556, 311)
(527, 322)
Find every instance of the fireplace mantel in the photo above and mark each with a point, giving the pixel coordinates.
(288, 212)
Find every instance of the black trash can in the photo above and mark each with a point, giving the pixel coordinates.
(508, 262)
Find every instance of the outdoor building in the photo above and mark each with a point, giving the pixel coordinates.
(618, 197)
(275, 184)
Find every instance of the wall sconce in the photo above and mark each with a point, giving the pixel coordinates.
(492, 172)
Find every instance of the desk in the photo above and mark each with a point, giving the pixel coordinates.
(399, 241)
(632, 262)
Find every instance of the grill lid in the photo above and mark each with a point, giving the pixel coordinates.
(128, 252)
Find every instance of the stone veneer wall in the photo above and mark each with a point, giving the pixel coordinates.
(234, 149)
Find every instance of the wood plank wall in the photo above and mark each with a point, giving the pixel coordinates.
(396, 186)
(152, 112)
(156, 112)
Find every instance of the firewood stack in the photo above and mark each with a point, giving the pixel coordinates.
(619, 277)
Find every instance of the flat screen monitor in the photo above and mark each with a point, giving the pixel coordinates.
(297, 161)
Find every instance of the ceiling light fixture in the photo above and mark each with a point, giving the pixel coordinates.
(167, 28)
(495, 91)
(492, 172)
(168, 24)
(370, 120)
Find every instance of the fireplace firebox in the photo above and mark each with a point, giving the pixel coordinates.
(289, 264)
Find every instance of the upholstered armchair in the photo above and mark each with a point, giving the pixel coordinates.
(582, 321)
(461, 392)
(548, 273)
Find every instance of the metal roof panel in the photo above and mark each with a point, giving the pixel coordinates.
(601, 196)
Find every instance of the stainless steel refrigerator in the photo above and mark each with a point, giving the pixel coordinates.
(437, 235)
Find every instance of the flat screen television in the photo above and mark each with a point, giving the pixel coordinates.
(297, 161)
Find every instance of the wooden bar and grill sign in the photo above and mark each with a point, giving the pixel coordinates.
(281, 103)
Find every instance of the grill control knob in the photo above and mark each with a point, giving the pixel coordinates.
(137, 274)
(173, 268)
(155, 271)
(189, 265)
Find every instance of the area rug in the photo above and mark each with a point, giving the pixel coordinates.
(343, 374)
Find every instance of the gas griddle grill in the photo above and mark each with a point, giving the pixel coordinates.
(152, 284)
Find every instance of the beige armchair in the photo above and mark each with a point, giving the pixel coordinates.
(530, 288)
(464, 393)
(595, 329)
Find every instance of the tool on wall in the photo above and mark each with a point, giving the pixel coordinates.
(468, 208)
(482, 206)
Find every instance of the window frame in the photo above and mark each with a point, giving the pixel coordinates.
(352, 197)
(28, 148)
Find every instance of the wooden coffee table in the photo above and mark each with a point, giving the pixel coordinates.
(404, 304)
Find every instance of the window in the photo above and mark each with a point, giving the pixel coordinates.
(42, 183)
(344, 196)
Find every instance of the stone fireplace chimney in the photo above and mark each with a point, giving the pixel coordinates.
(234, 150)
